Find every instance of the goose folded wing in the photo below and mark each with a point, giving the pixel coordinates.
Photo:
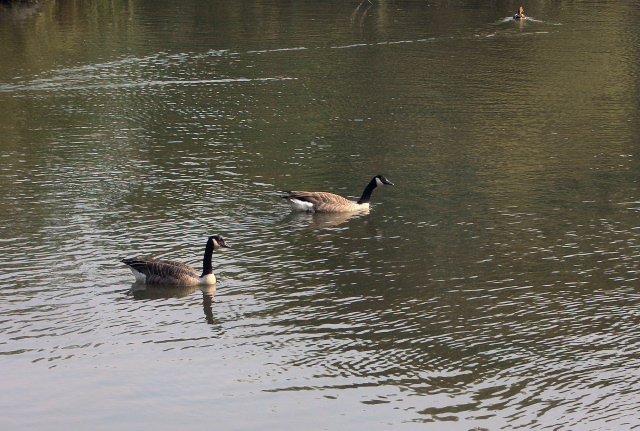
(319, 198)
(160, 268)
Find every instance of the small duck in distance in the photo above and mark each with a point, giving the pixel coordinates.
(323, 202)
(520, 14)
(172, 273)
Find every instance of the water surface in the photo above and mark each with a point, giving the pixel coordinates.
(495, 286)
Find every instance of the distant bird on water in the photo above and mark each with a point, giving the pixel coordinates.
(323, 202)
(520, 14)
(172, 273)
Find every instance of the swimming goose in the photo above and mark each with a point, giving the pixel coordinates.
(520, 15)
(323, 202)
(172, 273)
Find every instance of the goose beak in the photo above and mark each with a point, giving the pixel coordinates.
(387, 182)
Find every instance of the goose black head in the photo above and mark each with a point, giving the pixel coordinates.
(218, 241)
(381, 179)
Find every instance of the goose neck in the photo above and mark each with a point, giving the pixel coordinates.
(366, 195)
(207, 267)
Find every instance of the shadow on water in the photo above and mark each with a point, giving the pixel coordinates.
(360, 13)
(19, 10)
(151, 292)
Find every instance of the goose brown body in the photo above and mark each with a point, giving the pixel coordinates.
(324, 202)
(173, 273)
(164, 272)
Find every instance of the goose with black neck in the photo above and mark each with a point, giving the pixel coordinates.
(324, 202)
(173, 273)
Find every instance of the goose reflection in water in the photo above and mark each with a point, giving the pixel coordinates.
(303, 220)
(147, 291)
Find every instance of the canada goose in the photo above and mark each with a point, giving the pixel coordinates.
(172, 273)
(520, 15)
(323, 202)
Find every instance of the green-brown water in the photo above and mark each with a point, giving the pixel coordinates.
(494, 286)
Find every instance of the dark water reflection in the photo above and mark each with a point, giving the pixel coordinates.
(494, 287)
(146, 292)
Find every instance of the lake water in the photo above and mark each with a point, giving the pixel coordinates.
(495, 286)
